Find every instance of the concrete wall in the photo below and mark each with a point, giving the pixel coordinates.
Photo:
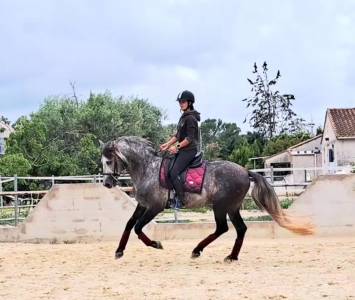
(304, 161)
(279, 158)
(330, 202)
(309, 146)
(345, 152)
(73, 213)
(90, 212)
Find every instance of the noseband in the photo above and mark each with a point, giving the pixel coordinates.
(115, 175)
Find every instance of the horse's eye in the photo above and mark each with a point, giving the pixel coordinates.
(108, 162)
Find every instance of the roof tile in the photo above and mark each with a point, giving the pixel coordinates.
(343, 121)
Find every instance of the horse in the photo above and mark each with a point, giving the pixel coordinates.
(225, 186)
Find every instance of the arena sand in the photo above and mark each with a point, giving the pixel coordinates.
(296, 268)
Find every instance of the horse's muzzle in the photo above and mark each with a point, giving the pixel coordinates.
(108, 185)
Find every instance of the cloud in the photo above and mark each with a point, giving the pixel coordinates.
(157, 49)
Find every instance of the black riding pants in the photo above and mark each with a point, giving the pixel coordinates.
(182, 160)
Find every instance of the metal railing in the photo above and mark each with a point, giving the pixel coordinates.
(310, 173)
(22, 202)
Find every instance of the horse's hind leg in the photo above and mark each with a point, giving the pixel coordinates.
(241, 228)
(220, 216)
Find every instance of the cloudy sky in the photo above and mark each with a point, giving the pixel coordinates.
(155, 49)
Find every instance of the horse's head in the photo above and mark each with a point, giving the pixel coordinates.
(113, 162)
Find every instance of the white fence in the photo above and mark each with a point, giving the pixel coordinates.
(286, 181)
(21, 202)
(294, 176)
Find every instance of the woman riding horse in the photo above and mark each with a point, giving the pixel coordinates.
(225, 186)
(187, 143)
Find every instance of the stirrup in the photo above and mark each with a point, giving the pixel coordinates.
(177, 203)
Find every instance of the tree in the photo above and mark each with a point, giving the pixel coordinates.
(228, 139)
(210, 130)
(61, 138)
(272, 113)
(11, 164)
(219, 138)
(319, 130)
(5, 120)
(242, 153)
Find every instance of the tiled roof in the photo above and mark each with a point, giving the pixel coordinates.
(343, 121)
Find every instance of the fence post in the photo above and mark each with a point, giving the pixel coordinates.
(16, 199)
(272, 174)
(176, 216)
(1, 198)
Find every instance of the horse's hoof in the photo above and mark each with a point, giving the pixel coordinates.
(118, 254)
(157, 245)
(229, 259)
(195, 254)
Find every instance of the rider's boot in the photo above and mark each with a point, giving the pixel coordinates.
(179, 194)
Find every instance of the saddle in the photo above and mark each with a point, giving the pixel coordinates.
(192, 177)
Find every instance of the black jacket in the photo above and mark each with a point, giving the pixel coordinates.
(188, 128)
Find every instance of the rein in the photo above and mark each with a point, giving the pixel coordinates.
(115, 173)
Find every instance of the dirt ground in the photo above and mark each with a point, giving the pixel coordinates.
(207, 216)
(297, 268)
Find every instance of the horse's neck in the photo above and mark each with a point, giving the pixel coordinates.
(138, 166)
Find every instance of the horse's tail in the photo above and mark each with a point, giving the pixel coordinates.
(265, 198)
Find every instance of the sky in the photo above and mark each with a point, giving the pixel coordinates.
(156, 49)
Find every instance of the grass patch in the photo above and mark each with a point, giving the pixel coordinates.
(173, 221)
(195, 210)
(8, 212)
(249, 204)
(286, 203)
(258, 218)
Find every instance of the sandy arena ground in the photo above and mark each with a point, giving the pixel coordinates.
(297, 268)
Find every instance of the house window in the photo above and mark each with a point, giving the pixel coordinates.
(331, 155)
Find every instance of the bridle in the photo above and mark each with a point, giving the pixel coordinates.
(115, 175)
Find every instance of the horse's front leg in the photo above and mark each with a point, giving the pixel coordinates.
(130, 224)
(148, 215)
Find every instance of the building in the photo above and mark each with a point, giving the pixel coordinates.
(5, 131)
(338, 142)
(306, 154)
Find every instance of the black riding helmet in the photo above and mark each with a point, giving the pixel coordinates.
(186, 95)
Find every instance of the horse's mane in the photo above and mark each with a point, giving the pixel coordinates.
(135, 141)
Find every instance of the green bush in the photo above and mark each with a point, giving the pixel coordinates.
(9, 212)
(259, 218)
(249, 203)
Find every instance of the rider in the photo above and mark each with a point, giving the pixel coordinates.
(187, 142)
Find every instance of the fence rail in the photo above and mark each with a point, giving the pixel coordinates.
(329, 170)
(20, 202)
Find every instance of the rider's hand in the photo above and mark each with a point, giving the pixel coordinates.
(173, 150)
(164, 147)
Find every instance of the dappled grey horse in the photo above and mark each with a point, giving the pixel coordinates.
(224, 189)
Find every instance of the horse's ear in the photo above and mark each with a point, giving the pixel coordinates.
(102, 144)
